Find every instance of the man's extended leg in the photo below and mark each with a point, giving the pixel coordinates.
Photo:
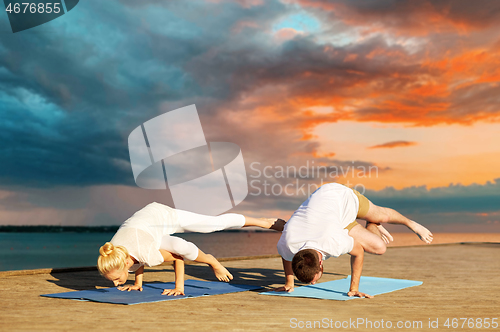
(378, 214)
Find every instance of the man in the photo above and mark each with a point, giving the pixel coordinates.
(324, 226)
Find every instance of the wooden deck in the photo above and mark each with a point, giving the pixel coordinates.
(459, 281)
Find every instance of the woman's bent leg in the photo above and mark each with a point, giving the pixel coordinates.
(179, 246)
(221, 273)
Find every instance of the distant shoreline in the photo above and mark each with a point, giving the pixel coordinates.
(113, 229)
(57, 229)
(85, 229)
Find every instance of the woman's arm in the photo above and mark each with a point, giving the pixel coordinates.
(138, 281)
(179, 272)
(138, 277)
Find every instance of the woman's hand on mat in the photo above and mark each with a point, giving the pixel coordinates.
(359, 294)
(130, 287)
(174, 292)
(286, 288)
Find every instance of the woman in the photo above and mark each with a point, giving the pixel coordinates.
(145, 240)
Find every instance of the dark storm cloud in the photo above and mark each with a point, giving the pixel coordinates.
(426, 16)
(70, 97)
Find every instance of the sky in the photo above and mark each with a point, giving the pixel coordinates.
(398, 99)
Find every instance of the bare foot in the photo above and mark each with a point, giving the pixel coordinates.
(372, 227)
(384, 234)
(221, 272)
(423, 233)
(267, 223)
(278, 224)
(272, 223)
(380, 231)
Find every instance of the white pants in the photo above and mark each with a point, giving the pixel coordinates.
(194, 222)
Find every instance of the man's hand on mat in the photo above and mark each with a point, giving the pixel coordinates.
(286, 288)
(359, 294)
(173, 292)
(130, 287)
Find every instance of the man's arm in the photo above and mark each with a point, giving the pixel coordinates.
(357, 256)
(179, 272)
(289, 283)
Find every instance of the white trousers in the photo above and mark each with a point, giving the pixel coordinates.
(194, 222)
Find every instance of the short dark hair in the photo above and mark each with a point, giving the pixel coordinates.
(305, 265)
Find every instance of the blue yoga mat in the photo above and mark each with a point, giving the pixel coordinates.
(152, 292)
(337, 289)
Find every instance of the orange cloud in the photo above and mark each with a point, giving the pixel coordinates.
(350, 57)
(393, 144)
(433, 79)
(459, 88)
(323, 155)
(286, 33)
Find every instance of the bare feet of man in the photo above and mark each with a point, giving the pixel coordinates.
(384, 234)
(423, 233)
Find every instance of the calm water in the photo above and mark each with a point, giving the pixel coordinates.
(19, 251)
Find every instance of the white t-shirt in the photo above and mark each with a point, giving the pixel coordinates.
(319, 223)
(142, 233)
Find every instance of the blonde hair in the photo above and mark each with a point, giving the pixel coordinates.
(112, 258)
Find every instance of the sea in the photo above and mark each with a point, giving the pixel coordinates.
(38, 250)
(26, 251)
